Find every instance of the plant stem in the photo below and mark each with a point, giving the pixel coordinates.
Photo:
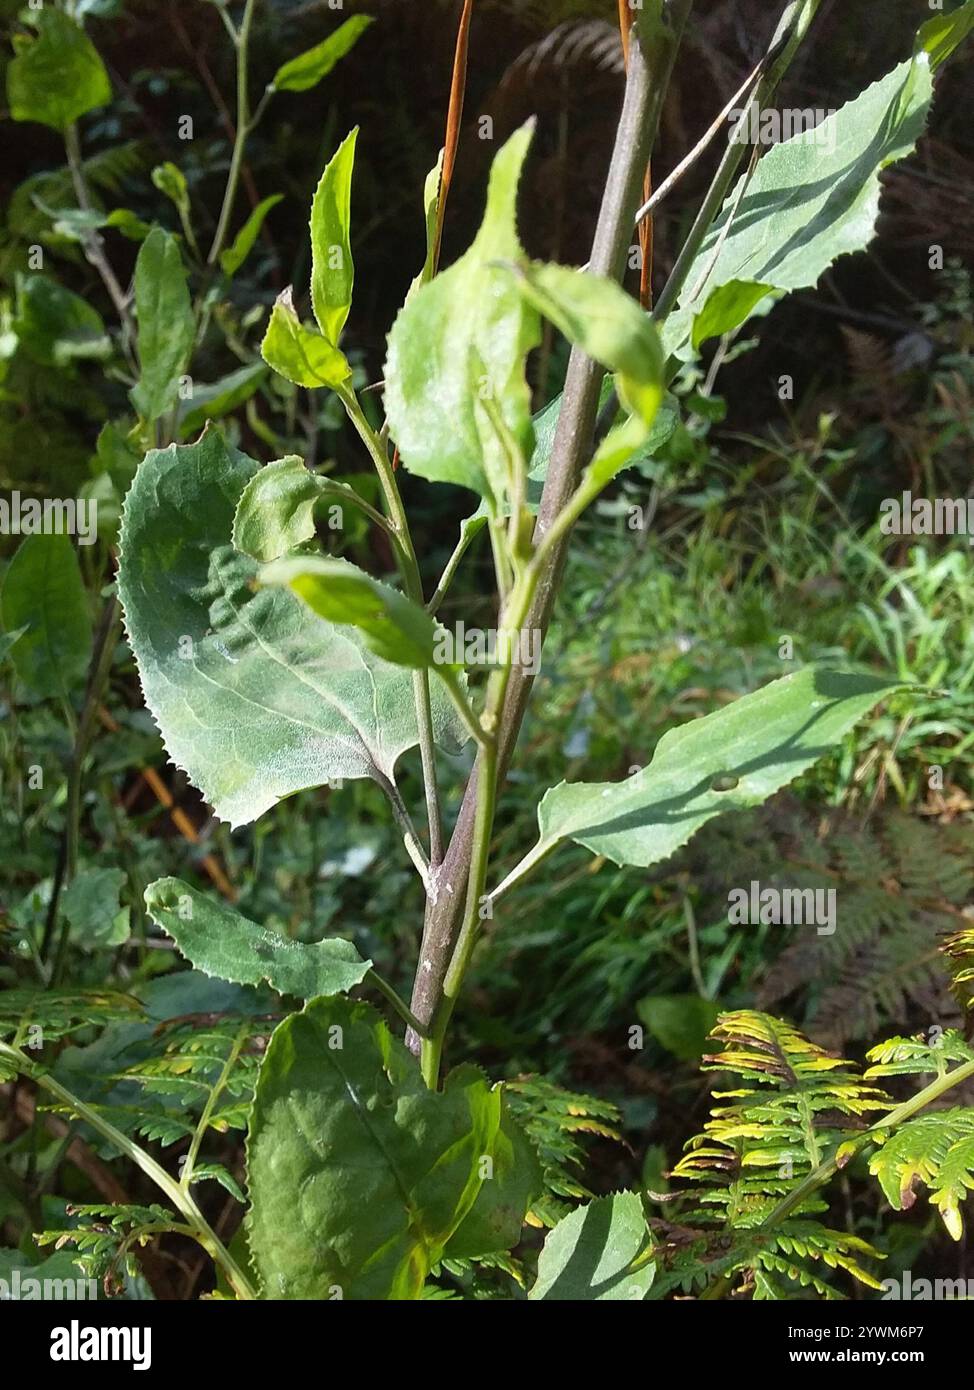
(242, 43)
(92, 242)
(182, 1201)
(467, 534)
(413, 584)
(394, 998)
(512, 620)
(646, 83)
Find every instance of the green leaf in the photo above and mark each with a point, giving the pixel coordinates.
(736, 757)
(598, 316)
(167, 328)
(213, 400)
(216, 939)
(815, 197)
(77, 224)
(43, 592)
(727, 308)
(332, 267)
(942, 34)
(308, 69)
(234, 256)
(93, 909)
(601, 1252)
(460, 339)
(255, 696)
(58, 76)
(276, 512)
(392, 626)
(300, 354)
(496, 1218)
(55, 326)
(679, 1022)
(359, 1175)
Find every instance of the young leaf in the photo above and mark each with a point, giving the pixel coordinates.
(727, 308)
(300, 354)
(546, 423)
(216, 939)
(43, 592)
(461, 338)
(598, 316)
(58, 76)
(392, 626)
(431, 201)
(387, 1171)
(736, 757)
(332, 267)
(601, 1252)
(815, 197)
(308, 69)
(77, 224)
(255, 696)
(171, 180)
(234, 256)
(276, 512)
(942, 34)
(166, 325)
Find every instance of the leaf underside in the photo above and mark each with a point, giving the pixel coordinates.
(256, 697)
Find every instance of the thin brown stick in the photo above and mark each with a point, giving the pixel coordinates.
(454, 115)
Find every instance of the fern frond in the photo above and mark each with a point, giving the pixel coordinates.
(218, 1173)
(35, 1017)
(107, 1235)
(793, 1107)
(900, 883)
(796, 1251)
(916, 1057)
(552, 1118)
(936, 1150)
(789, 1113)
(960, 949)
(163, 1126)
